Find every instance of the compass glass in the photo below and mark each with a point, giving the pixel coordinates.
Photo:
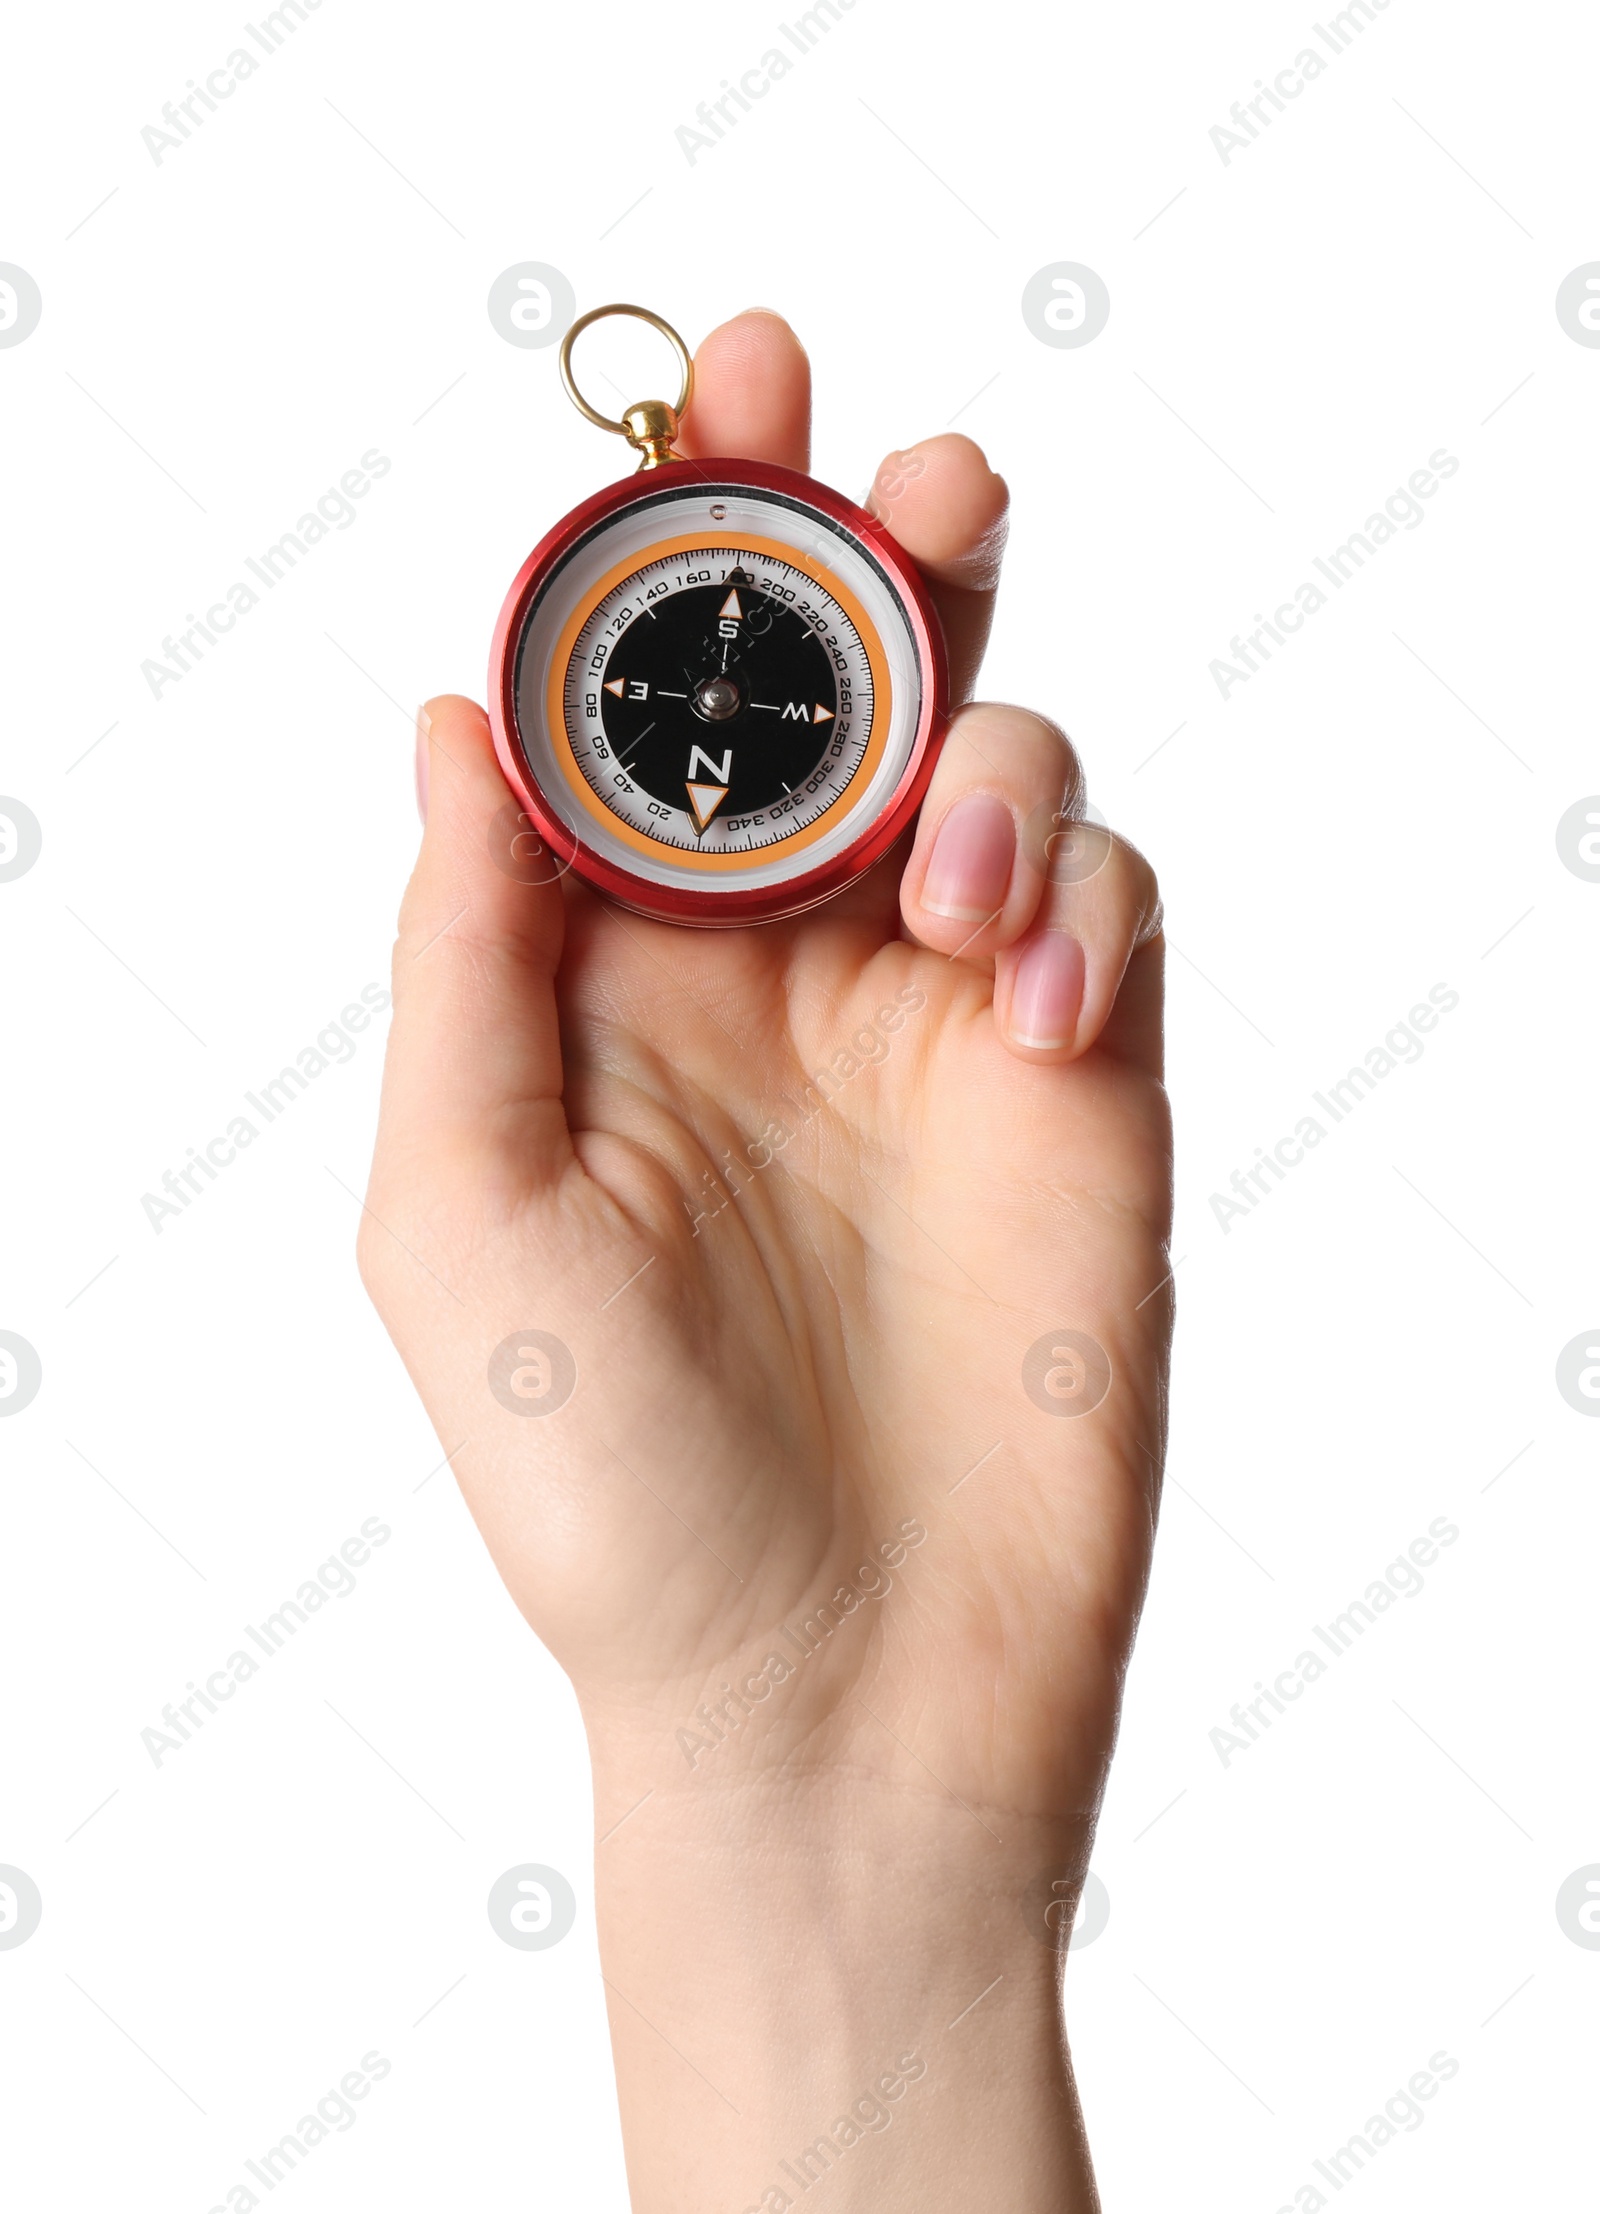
(717, 684)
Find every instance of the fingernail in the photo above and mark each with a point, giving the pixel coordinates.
(1047, 992)
(424, 725)
(969, 869)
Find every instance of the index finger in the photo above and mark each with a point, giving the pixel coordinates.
(752, 393)
(940, 498)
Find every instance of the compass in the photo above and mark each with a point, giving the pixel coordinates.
(718, 687)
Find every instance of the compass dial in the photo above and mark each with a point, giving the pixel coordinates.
(718, 687)
(718, 700)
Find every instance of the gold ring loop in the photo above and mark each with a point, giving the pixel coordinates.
(643, 315)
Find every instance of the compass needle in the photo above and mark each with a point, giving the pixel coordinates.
(705, 799)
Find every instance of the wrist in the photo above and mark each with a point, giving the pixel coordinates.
(827, 1972)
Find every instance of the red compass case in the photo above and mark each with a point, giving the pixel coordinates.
(718, 687)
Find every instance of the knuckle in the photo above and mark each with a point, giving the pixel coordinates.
(1143, 888)
(1023, 751)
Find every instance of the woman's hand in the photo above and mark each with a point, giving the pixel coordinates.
(792, 1303)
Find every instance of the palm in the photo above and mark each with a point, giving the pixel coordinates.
(841, 1213)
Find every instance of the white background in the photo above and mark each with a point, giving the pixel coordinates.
(1373, 1347)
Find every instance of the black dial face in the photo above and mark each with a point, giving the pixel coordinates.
(725, 696)
(718, 699)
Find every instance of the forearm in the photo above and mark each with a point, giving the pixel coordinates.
(836, 1983)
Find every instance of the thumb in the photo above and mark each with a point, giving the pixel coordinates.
(473, 1076)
